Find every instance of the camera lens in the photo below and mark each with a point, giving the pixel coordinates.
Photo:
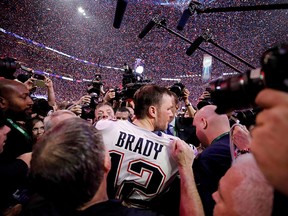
(8, 67)
(237, 92)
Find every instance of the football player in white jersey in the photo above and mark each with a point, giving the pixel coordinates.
(142, 164)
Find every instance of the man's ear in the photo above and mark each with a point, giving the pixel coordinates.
(152, 111)
(3, 103)
(204, 123)
(107, 161)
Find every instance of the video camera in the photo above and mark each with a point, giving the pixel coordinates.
(129, 90)
(239, 92)
(131, 82)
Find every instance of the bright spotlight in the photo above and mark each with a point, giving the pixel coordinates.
(139, 66)
(139, 69)
(81, 10)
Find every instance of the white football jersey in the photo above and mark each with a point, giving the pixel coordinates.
(141, 163)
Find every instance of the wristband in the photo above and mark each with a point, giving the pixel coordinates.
(189, 104)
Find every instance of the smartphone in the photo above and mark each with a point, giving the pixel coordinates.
(39, 83)
(38, 76)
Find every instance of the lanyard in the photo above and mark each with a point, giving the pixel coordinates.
(219, 137)
(17, 127)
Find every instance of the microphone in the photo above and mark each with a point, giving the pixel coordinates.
(147, 28)
(119, 13)
(194, 45)
(184, 18)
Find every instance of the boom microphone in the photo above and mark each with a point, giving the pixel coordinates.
(147, 28)
(119, 13)
(194, 45)
(184, 18)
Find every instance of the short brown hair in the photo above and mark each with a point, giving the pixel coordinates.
(147, 96)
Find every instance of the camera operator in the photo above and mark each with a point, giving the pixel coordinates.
(86, 105)
(183, 95)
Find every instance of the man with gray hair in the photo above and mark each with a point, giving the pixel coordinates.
(243, 190)
(56, 117)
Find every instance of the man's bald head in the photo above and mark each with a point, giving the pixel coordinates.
(15, 99)
(6, 86)
(209, 124)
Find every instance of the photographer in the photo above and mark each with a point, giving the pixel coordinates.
(267, 88)
(109, 95)
(204, 99)
(181, 126)
(112, 98)
(190, 109)
(183, 95)
(85, 106)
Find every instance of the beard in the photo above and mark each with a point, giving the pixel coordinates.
(18, 116)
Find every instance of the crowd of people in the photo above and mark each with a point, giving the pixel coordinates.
(149, 154)
(164, 55)
(131, 157)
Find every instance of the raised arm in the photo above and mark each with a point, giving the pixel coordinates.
(191, 111)
(50, 91)
(190, 202)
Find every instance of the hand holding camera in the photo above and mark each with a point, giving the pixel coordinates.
(75, 108)
(110, 95)
(84, 100)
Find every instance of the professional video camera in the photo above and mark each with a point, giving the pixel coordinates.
(239, 92)
(8, 67)
(129, 90)
(178, 89)
(131, 82)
